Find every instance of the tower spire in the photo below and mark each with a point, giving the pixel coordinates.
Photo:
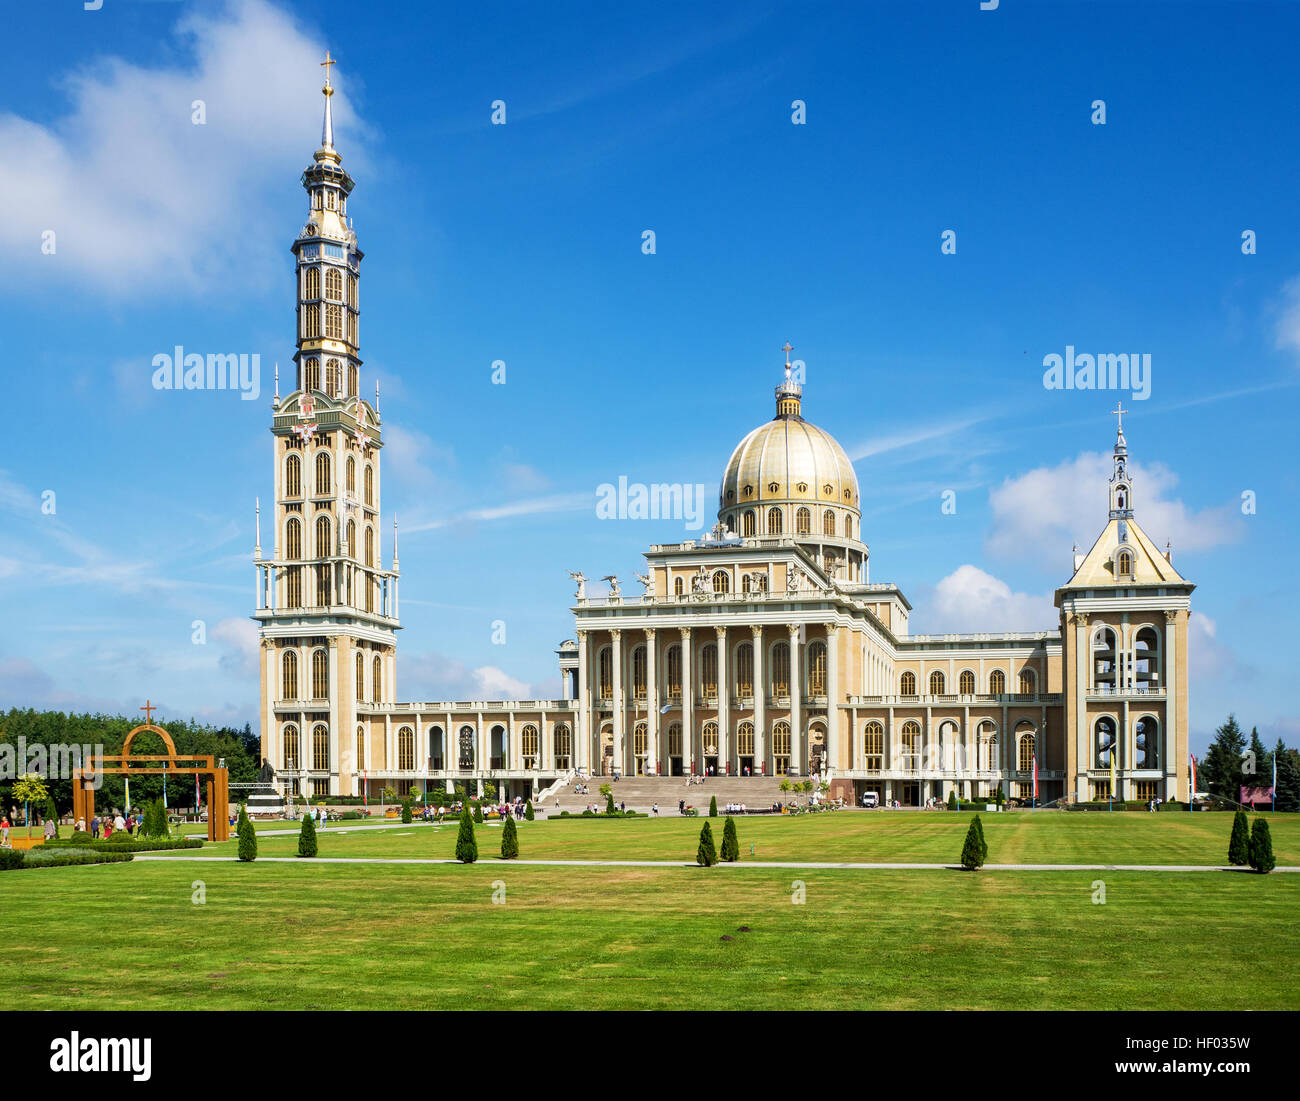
(789, 393)
(327, 151)
(1121, 487)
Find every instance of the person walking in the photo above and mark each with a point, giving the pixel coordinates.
(51, 830)
(4, 831)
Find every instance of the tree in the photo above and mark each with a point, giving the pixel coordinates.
(1257, 768)
(1220, 772)
(984, 845)
(1261, 847)
(489, 791)
(478, 812)
(154, 823)
(953, 804)
(406, 812)
(307, 835)
(509, 840)
(1239, 843)
(1287, 789)
(528, 811)
(972, 851)
(713, 806)
(609, 803)
(466, 846)
(706, 855)
(784, 785)
(29, 789)
(247, 835)
(730, 843)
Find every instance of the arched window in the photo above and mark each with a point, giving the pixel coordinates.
(350, 475)
(988, 742)
(293, 588)
(530, 744)
(311, 374)
(774, 521)
(674, 677)
(1105, 742)
(329, 199)
(675, 740)
(605, 674)
(966, 683)
(324, 548)
(745, 669)
(361, 748)
(310, 329)
(1147, 742)
(293, 538)
(352, 539)
(639, 673)
(360, 674)
(293, 476)
(353, 384)
(311, 283)
(802, 521)
(1104, 659)
(781, 669)
(291, 748)
(640, 741)
(1146, 659)
(289, 675)
(334, 284)
(709, 739)
(333, 322)
(333, 377)
(323, 486)
(369, 485)
(1028, 682)
(817, 668)
(848, 527)
(352, 291)
(320, 675)
(911, 746)
(1025, 751)
(376, 680)
(370, 545)
(828, 522)
(437, 750)
(406, 748)
(721, 582)
(997, 682)
(936, 683)
(709, 670)
(873, 747)
(781, 747)
(1124, 564)
(679, 586)
(907, 684)
(320, 748)
(748, 523)
(745, 739)
(465, 747)
(563, 739)
(324, 586)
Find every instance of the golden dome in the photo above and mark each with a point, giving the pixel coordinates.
(788, 460)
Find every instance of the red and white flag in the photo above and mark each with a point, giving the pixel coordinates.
(1033, 760)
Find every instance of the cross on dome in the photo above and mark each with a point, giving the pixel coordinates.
(327, 63)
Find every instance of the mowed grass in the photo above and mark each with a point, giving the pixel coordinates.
(331, 936)
(886, 837)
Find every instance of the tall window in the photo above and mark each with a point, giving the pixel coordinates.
(370, 545)
(352, 291)
(323, 485)
(369, 485)
(639, 673)
(848, 527)
(605, 674)
(745, 669)
(333, 377)
(361, 747)
(721, 582)
(966, 683)
(674, 677)
(640, 740)
(911, 746)
(873, 746)
(324, 548)
(1027, 682)
(350, 475)
(334, 284)
(1025, 752)
(781, 747)
(563, 745)
(310, 329)
(709, 670)
(997, 682)
(406, 748)
(530, 744)
(361, 676)
(289, 677)
(1124, 564)
(781, 669)
(293, 538)
(747, 523)
(353, 385)
(376, 680)
(679, 586)
(352, 539)
(312, 374)
(1146, 659)
(293, 588)
(828, 522)
(709, 739)
(333, 322)
(745, 739)
(320, 675)
(1147, 742)
(311, 283)
(324, 586)
(320, 748)
(293, 476)
(988, 741)
(675, 740)
(774, 521)
(907, 684)
(291, 748)
(936, 683)
(817, 668)
(802, 522)
(1104, 644)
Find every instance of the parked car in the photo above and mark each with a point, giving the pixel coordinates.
(870, 800)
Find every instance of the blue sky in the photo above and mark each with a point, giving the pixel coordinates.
(522, 243)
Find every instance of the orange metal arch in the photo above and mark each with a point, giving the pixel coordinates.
(167, 739)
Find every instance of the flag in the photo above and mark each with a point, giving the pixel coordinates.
(1114, 746)
(1033, 760)
(164, 785)
(1191, 795)
(198, 795)
(364, 784)
(1274, 781)
(126, 781)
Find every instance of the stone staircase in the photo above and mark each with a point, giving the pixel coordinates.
(640, 793)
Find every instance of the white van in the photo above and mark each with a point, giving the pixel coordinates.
(870, 800)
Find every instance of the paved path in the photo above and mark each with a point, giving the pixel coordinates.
(741, 864)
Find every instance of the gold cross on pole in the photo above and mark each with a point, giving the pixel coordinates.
(327, 63)
(148, 710)
(787, 348)
(1119, 412)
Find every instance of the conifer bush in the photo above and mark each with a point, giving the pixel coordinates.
(466, 846)
(307, 836)
(952, 800)
(713, 806)
(509, 840)
(1239, 843)
(984, 845)
(609, 803)
(1261, 847)
(406, 812)
(247, 836)
(478, 812)
(528, 811)
(972, 851)
(730, 843)
(706, 856)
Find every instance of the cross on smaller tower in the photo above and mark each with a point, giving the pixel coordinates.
(787, 348)
(1119, 412)
(148, 710)
(327, 63)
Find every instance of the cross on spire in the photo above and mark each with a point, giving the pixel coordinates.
(1119, 412)
(787, 348)
(327, 63)
(148, 710)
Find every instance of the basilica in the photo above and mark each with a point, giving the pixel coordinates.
(762, 649)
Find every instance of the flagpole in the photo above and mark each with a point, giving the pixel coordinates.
(1114, 747)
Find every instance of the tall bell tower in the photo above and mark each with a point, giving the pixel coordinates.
(326, 607)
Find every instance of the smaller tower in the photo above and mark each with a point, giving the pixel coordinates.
(1121, 484)
(789, 395)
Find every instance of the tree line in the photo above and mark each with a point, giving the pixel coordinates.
(1233, 762)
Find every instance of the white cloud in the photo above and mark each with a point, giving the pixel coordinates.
(969, 599)
(909, 437)
(1287, 328)
(429, 677)
(237, 638)
(1209, 659)
(410, 457)
(1040, 514)
(173, 204)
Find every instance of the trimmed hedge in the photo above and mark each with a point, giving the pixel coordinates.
(12, 859)
(603, 814)
(128, 844)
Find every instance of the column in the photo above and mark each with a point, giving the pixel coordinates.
(1171, 762)
(652, 704)
(832, 697)
(582, 725)
(724, 704)
(796, 693)
(688, 702)
(620, 749)
(1082, 678)
(760, 698)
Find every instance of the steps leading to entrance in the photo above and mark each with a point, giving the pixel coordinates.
(640, 793)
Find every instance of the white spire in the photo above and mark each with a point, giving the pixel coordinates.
(277, 380)
(257, 545)
(376, 397)
(394, 540)
(327, 124)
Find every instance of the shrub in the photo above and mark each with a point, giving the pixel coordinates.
(1261, 847)
(406, 812)
(713, 806)
(466, 846)
(952, 800)
(247, 836)
(1239, 843)
(478, 813)
(528, 811)
(10, 859)
(609, 804)
(126, 844)
(509, 840)
(972, 851)
(307, 836)
(984, 845)
(81, 835)
(706, 855)
(40, 857)
(730, 843)
(353, 815)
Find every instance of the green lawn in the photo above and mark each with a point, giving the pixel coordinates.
(302, 935)
(1026, 838)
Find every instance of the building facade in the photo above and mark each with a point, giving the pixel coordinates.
(762, 648)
